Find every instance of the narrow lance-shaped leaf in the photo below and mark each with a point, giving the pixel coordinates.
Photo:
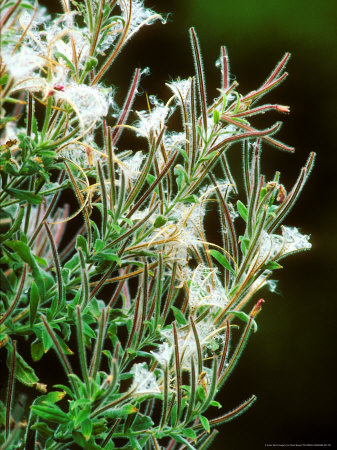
(85, 291)
(97, 355)
(10, 387)
(222, 260)
(15, 227)
(142, 177)
(198, 346)
(289, 202)
(165, 396)
(208, 441)
(23, 372)
(110, 434)
(25, 195)
(153, 185)
(17, 296)
(254, 176)
(62, 357)
(232, 414)
(225, 350)
(34, 298)
(81, 346)
(103, 198)
(212, 388)
(145, 298)
(81, 201)
(200, 77)
(126, 108)
(192, 393)
(60, 287)
(177, 372)
(227, 218)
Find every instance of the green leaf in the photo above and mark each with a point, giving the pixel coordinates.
(43, 429)
(46, 340)
(160, 221)
(216, 116)
(181, 440)
(4, 79)
(90, 63)
(10, 169)
(134, 444)
(67, 61)
(86, 428)
(2, 414)
(272, 265)
(88, 331)
(99, 245)
(87, 445)
(82, 243)
(201, 393)
(107, 256)
(15, 227)
(244, 244)
(142, 423)
(95, 231)
(205, 423)
(215, 403)
(179, 316)
(121, 412)
(65, 388)
(191, 434)
(50, 412)
(181, 175)
(54, 396)
(23, 372)
(182, 152)
(4, 283)
(30, 168)
(41, 261)
(191, 199)
(81, 415)
(150, 178)
(242, 210)
(222, 260)
(34, 298)
(244, 317)
(27, 196)
(25, 254)
(36, 350)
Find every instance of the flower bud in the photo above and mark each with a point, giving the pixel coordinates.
(282, 193)
(257, 308)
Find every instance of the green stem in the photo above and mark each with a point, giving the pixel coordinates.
(46, 119)
(81, 347)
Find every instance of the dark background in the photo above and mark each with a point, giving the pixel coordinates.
(290, 364)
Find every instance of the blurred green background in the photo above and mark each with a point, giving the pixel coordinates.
(290, 364)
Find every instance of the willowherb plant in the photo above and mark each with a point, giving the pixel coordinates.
(153, 346)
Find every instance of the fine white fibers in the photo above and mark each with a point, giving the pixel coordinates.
(276, 246)
(206, 289)
(23, 63)
(88, 102)
(181, 88)
(152, 122)
(164, 354)
(207, 334)
(144, 381)
(139, 15)
(131, 165)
